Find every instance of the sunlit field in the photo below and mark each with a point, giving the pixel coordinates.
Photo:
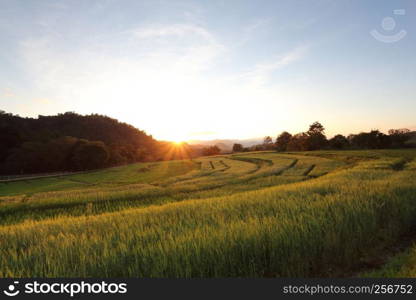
(255, 214)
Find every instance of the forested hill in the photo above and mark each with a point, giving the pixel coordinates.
(70, 142)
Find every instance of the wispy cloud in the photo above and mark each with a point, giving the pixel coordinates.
(180, 30)
(261, 73)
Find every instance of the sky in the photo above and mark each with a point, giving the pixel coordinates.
(187, 69)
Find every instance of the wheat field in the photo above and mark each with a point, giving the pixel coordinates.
(256, 214)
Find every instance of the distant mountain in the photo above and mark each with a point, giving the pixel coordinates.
(226, 145)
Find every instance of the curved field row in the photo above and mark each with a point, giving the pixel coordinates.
(222, 163)
(229, 176)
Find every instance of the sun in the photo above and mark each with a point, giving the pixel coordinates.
(178, 139)
(178, 143)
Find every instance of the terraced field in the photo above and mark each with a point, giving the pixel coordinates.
(248, 214)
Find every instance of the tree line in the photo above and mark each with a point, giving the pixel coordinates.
(315, 139)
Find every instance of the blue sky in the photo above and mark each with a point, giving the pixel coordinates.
(212, 69)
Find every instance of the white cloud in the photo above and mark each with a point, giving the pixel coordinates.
(180, 30)
(260, 74)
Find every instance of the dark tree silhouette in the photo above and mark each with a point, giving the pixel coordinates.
(212, 150)
(399, 137)
(268, 143)
(283, 140)
(317, 139)
(238, 148)
(299, 142)
(370, 140)
(338, 142)
(267, 140)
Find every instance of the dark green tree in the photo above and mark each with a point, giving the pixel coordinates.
(212, 150)
(399, 137)
(317, 139)
(338, 142)
(283, 140)
(299, 142)
(238, 148)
